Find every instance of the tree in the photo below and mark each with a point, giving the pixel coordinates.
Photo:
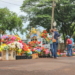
(39, 13)
(65, 16)
(9, 20)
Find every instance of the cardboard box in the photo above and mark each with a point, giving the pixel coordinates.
(35, 56)
(8, 55)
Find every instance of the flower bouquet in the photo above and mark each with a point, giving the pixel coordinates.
(10, 38)
(13, 42)
(34, 43)
(44, 35)
(4, 47)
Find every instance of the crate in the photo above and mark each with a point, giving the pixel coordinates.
(8, 55)
(61, 47)
(35, 56)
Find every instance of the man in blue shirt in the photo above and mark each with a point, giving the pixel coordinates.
(55, 43)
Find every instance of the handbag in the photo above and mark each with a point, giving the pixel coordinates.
(53, 40)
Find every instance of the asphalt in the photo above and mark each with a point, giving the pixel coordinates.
(40, 66)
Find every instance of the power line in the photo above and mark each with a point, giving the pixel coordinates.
(10, 3)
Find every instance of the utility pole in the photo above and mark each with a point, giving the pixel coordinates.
(53, 7)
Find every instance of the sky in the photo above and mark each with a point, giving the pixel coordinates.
(14, 5)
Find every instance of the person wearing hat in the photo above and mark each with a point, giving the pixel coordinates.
(55, 36)
(69, 46)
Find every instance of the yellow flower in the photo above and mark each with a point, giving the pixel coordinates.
(0, 49)
(3, 45)
(33, 31)
(20, 50)
(18, 38)
(28, 50)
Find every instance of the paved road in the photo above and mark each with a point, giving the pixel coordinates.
(40, 66)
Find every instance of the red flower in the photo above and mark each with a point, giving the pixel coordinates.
(44, 31)
(39, 42)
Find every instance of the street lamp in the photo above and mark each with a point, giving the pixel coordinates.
(54, 24)
(53, 7)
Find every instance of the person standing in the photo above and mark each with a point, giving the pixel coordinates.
(55, 42)
(72, 40)
(69, 46)
(72, 43)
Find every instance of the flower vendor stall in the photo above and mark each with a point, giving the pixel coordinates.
(34, 42)
(12, 46)
(38, 50)
(36, 46)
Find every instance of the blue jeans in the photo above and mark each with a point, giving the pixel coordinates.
(69, 50)
(51, 48)
(54, 49)
(57, 45)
